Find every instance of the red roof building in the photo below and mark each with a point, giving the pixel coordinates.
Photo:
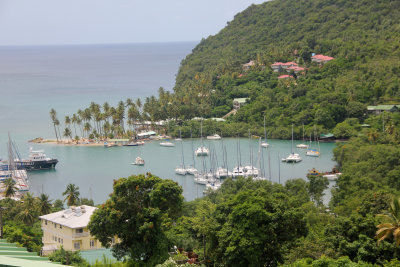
(321, 58)
(284, 76)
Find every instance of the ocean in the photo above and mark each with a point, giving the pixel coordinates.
(67, 78)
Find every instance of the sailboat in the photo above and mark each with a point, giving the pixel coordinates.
(181, 169)
(249, 169)
(293, 157)
(138, 161)
(302, 145)
(313, 152)
(261, 176)
(167, 143)
(201, 150)
(265, 144)
(192, 168)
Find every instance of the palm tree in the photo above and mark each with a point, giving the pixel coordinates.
(44, 204)
(68, 133)
(391, 224)
(11, 189)
(27, 215)
(53, 116)
(72, 194)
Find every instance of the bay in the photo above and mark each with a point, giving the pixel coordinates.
(35, 79)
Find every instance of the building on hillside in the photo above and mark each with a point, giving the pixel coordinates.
(68, 228)
(239, 102)
(247, 66)
(380, 108)
(321, 59)
(148, 134)
(295, 69)
(280, 66)
(284, 77)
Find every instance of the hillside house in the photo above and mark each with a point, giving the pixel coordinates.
(249, 65)
(295, 69)
(381, 108)
(321, 59)
(284, 77)
(68, 228)
(239, 102)
(280, 66)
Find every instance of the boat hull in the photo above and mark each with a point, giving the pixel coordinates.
(37, 165)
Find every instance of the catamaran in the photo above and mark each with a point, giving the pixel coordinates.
(265, 144)
(202, 150)
(293, 157)
(181, 169)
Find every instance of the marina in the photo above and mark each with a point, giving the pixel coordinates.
(93, 168)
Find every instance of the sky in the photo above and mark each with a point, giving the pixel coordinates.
(57, 22)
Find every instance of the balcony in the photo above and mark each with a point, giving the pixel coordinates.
(77, 235)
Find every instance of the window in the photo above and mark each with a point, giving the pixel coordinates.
(45, 222)
(59, 241)
(60, 226)
(77, 245)
(62, 241)
(55, 225)
(91, 243)
(79, 230)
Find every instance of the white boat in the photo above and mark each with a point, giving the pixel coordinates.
(140, 143)
(293, 157)
(201, 179)
(138, 161)
(202, 151)
(265, 144)
(312, 153)
(302, 146)
(180, 170)
(178, 139)
(167, 144)
(332, 176)
(222, 173)
(238, 171)
(191, 170)
(213, 185)
(214, 137)
(250, 171)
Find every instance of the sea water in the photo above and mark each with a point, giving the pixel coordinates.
(35, 79)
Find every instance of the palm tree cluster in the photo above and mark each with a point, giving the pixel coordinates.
(105, 121)
(390, 227)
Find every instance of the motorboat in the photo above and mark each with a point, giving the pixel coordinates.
(302, 146)
(37, 161)
(214, 137)
(292, 158)
(264, 144)
(167, 144)
(131, 144)
(313, 172)
(202, 151)
(138, 161)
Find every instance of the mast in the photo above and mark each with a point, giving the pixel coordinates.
(265, 132)
(291, 147)
(269, 163)
(191, 139)
(183, 157)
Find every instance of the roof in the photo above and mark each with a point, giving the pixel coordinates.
(284, 64)
(74, 217)
(11, 255)
(296, 68)
(322, 57)
(284, 76)
(240, 100)
(382, 107)
(147, 133)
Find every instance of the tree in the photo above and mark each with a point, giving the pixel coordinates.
(11, 189)
(316, 187)
(391, 225)
(44, 204)
(53, 116)
(137, 212)
(58, 205)
(71, 194)
(86, 201)
(28, 214)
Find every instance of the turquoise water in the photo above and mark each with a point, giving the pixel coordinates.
(35, 79)
(93, 169)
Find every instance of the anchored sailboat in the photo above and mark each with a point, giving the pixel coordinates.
(293, 157)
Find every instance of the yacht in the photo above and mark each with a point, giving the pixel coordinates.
(302, 145)
(202, 178)
(312, 153)
(222, 172)
(138, 161)
(191, 170)
(214, 137)
(37, 161)
(167, 144)
(250, 171)
(180, 170)
(238, 171)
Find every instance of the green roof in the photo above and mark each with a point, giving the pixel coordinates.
(240, 100)
(11, 255)
(383, 107)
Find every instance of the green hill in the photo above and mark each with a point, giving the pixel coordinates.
(363, 36)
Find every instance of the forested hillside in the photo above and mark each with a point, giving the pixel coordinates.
(363, 36)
